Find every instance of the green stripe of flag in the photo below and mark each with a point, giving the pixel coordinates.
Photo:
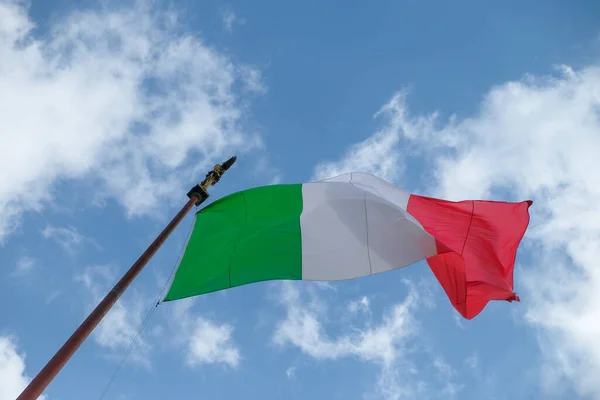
(249, 236)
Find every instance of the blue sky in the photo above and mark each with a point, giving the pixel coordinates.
(109, 114)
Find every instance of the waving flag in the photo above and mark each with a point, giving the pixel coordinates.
(351, 226)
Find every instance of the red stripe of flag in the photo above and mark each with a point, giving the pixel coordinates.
(477, 244)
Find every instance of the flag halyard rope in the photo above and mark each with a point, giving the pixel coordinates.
(138, 334)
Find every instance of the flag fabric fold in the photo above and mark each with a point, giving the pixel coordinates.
(350, 226)
(477, 245)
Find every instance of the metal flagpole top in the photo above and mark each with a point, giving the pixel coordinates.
(200, 191)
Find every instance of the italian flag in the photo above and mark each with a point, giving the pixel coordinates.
(351, 226)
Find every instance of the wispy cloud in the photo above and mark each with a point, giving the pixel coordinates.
(211, 344)
(25, 265)
(229, 19)
(205, 341)
(156, 105)
(266, 173)
(360, 305)
(120, 326)
(290, 372)
(460, 322)
(377, 154)
(446, 374)
(472, 361)
(12, 370)
(68, 238)
(385, 343)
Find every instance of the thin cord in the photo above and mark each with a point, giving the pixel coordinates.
(145, 322)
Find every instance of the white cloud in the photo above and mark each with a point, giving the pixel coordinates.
(360, 305)
(380, 153)
(385, 343)
(290, 372)
(120, 326)
(472, 361)
(206, 341)
(229, 18)
(253, 80)
(446, 374)
(442, 367)
(12, 370)
(460, 322)
(377, 154)
(537, 138)
(25, 265)
(211, 344)
(118, 101)
(68, 238)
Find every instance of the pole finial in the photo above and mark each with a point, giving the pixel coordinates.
(200, 191)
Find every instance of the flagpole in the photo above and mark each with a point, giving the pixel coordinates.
(197, 195)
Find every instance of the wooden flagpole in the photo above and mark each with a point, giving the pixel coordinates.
(197, 195)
